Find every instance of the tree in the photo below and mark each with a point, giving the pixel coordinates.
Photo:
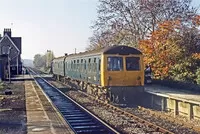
(173, 50)
(43, 62)
(49, 58)
(162, 49)
(39, 61)
(128, 21)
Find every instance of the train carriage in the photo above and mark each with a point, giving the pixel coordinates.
(58, 67)
(123, 73)
(115, 71)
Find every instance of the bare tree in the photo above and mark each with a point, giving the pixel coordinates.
(128, 21)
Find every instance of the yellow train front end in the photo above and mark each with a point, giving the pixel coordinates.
(123, 75)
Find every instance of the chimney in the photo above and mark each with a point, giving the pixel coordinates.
(7, 31)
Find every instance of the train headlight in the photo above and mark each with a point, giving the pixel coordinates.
(139, 80)
(109, 78)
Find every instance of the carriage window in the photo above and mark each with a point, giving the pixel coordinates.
(99, 64)
(94, 65)
(85, 65)
(115, 64)
(81, 65)
(72, 65)
(132, 63)
(65, 65)
(89, 66)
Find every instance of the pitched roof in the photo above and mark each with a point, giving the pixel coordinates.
(17, 41)
(10, 41)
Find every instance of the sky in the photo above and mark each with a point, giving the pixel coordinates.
(57, 25)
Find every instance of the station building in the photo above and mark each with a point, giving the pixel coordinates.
(10, 54)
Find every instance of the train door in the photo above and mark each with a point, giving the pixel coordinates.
(133, 70)
(115, 75)
(98, 71)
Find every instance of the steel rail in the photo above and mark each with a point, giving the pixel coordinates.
(78, 118)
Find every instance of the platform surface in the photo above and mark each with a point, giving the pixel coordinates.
(173, 93)
(42, 118)
(20, 77)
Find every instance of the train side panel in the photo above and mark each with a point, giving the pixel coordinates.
(86, 68)
(58, 67)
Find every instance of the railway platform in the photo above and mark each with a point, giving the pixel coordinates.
(26, 77)
(20, 78)
(173, 93)
(42, 116)
(178, 101)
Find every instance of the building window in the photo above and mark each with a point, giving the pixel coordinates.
(4, 50)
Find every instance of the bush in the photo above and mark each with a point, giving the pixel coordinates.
(198, 76)
(183, 71)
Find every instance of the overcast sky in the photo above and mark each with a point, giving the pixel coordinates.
(58, 25)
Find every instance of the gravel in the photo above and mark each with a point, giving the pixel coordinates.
(172, 126)
(122, 122)
(12, 109)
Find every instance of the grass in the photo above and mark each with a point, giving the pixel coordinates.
(2, 85)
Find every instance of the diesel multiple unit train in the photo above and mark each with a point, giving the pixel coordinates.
(114, 73)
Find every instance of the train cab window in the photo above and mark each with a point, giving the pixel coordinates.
(115, 63)
(132, 63)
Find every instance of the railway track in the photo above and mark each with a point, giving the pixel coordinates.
(79, 119)
(156, 121)
(134, 124)
(136, 121)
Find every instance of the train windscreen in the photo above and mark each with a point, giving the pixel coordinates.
(115, 63)
(132, 63)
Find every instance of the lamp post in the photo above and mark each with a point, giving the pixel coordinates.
(9, 49)
(47, 58)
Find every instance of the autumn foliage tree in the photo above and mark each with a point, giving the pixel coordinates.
(162, 49)
(172, 50)
(187, 67)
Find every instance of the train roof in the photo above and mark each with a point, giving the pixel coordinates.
(121, 50)
(59, 58)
